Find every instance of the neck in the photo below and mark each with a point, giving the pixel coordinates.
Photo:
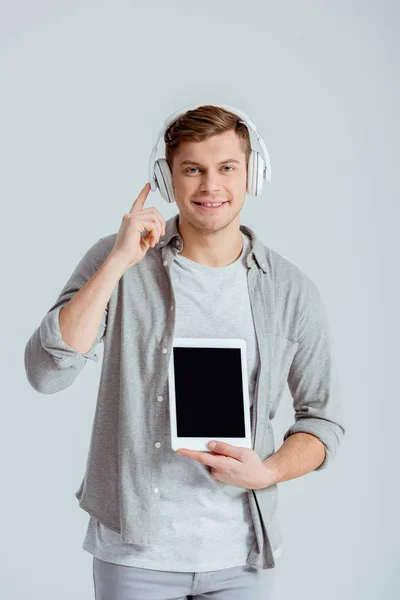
(214, 248)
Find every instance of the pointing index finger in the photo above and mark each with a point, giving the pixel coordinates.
(141, 199)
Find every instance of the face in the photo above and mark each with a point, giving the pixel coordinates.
(213, 170)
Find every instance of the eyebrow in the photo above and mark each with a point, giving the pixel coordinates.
(193, 162)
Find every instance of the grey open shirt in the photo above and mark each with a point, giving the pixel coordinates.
(137, 331)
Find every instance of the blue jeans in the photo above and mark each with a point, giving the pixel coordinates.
(121, 582)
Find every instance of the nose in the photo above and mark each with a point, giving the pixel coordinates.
(209, 182)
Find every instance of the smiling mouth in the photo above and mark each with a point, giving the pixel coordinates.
(212, 203)
(211, 209)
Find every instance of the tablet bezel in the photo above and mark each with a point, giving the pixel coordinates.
(200, 443)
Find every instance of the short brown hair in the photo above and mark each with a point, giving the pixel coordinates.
(201, 123)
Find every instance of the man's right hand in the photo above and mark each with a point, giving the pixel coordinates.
(130, 246)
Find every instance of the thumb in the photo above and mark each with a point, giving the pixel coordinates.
(226, 449)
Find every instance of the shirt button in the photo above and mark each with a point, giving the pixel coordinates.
(164, 350)
(177, 243)
(157, 444)
(165, 263)
(155, 490)
(160, 398)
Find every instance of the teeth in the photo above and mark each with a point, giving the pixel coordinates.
(217, 204)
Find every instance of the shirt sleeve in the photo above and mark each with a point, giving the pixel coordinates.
(313, 378)
(50, 364)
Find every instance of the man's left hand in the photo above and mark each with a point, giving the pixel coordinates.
(232, 464)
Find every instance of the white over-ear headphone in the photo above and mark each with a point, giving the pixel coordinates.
(259, 166)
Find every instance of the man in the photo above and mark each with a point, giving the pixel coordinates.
(167, 524)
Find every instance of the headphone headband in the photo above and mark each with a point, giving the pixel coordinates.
(243, 119)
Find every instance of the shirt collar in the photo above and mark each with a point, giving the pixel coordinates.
(173, 238)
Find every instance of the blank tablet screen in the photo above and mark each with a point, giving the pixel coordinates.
(208, 392)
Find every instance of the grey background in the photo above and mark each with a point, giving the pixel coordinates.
(85, 88)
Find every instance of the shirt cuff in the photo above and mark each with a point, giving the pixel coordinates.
(52, 342)
(329, 434)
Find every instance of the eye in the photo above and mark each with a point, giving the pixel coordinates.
(225, 166)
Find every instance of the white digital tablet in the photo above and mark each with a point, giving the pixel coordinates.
(208, 393)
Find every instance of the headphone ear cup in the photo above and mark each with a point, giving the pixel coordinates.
(163, 177)
(250, 167)
(255, 172)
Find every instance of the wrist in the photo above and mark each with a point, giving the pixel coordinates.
(116, 263)
(270, 476)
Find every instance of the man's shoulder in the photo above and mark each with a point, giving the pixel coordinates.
(294, 290)
(107, 242)
(278, 266)
(100, 249)
(284, 271)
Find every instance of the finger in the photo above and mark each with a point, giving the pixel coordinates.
(150, 239)
(150, 223)
(204, 458)
(155, 212)
(229, 450)
(141, 199)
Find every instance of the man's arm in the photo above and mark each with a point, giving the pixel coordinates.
(59, 348)
(80, 318)
(310, 444)
(299, 454)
